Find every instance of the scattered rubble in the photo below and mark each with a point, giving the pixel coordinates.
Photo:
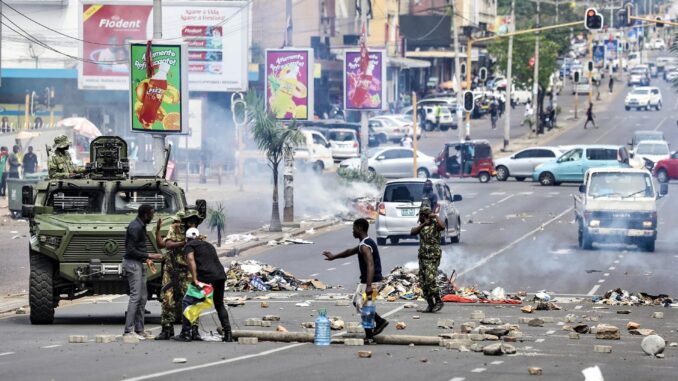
(248, 340)
(534, 371)
(602, 349)
(264, 305)
(280, 328)
(527, 309)
(536, 323)
(593, 373)
(336, 324)
(658, 315)
(642, 332)
(250, 275)
(653, 345)
(581, 328)
(104, 339)
(364, 354)
(77, 339)
(400, 325)
(499, 349)
(179, 360)
(626, 298)
(607, 332)
(574, 336)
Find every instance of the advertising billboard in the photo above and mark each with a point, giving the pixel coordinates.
(159, 95)
(289, 83)
(216, 33)
(365, 89)
(598, 56)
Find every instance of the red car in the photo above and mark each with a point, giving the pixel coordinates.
(667, 169)
(472, 158)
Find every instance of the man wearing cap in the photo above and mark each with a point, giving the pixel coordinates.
(429, 229)
(175, 274)
(205, 268)
(60, 164)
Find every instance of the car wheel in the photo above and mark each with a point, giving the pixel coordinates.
(371, 173)
(457, 237)
(647, 245)
(444, 127)
(659, 106)
(546, 179)
(381, 241)
(520, 178)
(584, 239)
(662, 176)
(422, 173)
(41, 298)
(428, 126)
(318, 166)
(395, 240)
(627, 108)
(502, 173)
(443, 237)
(484, 177)
(381, 139)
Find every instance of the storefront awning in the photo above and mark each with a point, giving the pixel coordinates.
(408, 63)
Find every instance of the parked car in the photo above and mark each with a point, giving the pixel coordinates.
(344, 143)
(642, 135)
(520, 95)
(652, 150)
(394, 162)
(469, 158)
(572, 165)
(521, 165)
(395, 126)
(643, 98)
(426, 117)
(315, 151)
(657, 44)
(323, 126)
(399, 207)
(667, 169)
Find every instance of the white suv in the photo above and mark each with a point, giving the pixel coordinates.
(643, 98)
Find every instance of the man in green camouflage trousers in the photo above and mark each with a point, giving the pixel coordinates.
(429, 229)
(60, 165)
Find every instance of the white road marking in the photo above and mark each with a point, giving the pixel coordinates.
(611, 268)
(615, 261)
(316, 274)
(554, 193)
(550, 332)
(457, 379)
(6, 353)
(517, 241)
(331, 269)
(606, 274)
(504, 199)
(346, 264)
(591, 293)
(497, 193)
(578, 307)
(539, 341)
(496, 362)
(51, 346)
(660, 124)
(601, 280)
(525, 193)
(621, 255)
(478, 370)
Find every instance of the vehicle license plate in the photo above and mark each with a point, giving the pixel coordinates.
(408, 212)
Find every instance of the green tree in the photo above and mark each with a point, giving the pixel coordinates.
(274, 140)
(216, 220)
(523, 49)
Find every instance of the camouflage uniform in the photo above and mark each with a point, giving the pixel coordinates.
(176, 276)
(429, 260)
(60, 165)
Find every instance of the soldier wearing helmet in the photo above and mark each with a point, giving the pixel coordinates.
(60, 165)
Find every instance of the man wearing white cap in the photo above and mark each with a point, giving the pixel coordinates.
(205, 267)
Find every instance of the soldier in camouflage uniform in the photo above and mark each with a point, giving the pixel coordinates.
(429, 229)
(60, 165)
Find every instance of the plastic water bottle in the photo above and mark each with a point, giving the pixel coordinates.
(322, 329)
(368, 311)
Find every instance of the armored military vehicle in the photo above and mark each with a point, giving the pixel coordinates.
(78, 225)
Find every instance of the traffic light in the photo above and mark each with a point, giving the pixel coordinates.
(482, 74)
(659, 23)
(576, 77)
(590, 66)
(468, 101)
(625, 14)
(462, 69)
(593, 21)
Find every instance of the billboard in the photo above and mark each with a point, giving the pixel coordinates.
(289, 83)
(611, 50)
(216, 33)
(159, 95)
(598, 56)
(502, 24)
(365, 90)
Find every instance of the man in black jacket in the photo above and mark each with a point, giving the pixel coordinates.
(134, 264)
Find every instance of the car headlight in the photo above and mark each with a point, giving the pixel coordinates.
(647, 224)
(50, 240)
(594, 223)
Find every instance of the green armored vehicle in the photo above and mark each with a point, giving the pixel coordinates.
(78, 225)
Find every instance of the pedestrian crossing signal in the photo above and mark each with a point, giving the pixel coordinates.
(576, 77)
(468, 101)
(593, 20)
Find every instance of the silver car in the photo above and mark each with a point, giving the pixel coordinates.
(521, 165)
(394, 162)
(399, 206)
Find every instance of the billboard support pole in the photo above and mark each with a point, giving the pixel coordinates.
(363, 114)
(288, 159)
(158, 139)
(509, 81)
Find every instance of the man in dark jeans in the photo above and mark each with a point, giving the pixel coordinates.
(134, 264)
(3, 171)
(205, 267)
(30, 161)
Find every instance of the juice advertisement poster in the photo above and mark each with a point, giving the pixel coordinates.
(364, 89)
(159, 91)
(289, 83)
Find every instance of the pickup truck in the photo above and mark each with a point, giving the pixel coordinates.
(618, 205)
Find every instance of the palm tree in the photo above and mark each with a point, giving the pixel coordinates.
(274, 140)
(216, 220)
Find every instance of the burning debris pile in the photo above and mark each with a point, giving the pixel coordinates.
(619, 297)
(364, 207)
(403, 283)
(256, 276)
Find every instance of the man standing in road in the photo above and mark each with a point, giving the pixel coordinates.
(369, 263)
(429, 194)
(610, 84)
(14, 163)
(205, 267)
(590, 117)
(134, 264)
(494, 113)
(3, 171)
(437, 111)
(30, 161)
(429, 229)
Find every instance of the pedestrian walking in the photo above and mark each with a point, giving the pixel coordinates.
(369, 263)
(610, 84)
(429, 229)
(597, 82)
(527, 115)
(590, 117)
(437, 111)
(3, 171)
(13, 163)
(406, 141)
(205, 268)
(134, 263)
(30, 162)
(494, 113)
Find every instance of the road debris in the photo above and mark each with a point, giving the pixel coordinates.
(632, 325)
(445, 323)
(642, 332)
(593, 373)
(534, 371)
(581, 328)
(400, 325)
(607, 332)
(104, 339)
(336, 324)
(653, 345)
(658, 315)
(626, 298)
(248, 340)
(602, 349)
(264, 305)
(364, 354)
(527, 309)
(250, 275)
(179, 360)
(74, 339)
(536, 323)
(280, 328)
(20, 311)
(574, 336)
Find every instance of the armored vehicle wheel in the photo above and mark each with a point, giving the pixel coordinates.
(41, 289)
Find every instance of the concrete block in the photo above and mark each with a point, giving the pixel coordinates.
(104, 339)
(264, 305)
(534, 371)
(130, 339)
(658, 315)
(602, 349)
(266, 323)
(467, 327)
(607, 332)
(445, 323)
(342, 303)
(547, 319)
(456, 344)
(509, 339)
(253, 322)
(476, 337)
(524, 320)
(354, 342)
(77, 339)
(570, 318)
(271, 318)
(248, 340)
(179, 360)
(491, 321)
(535, 323)
(364, 354)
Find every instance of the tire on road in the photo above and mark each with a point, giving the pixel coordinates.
(422, 173)
(547, 179)
(381, 241)
(647, 245)
(443, 237)
(658, 106)
(520, 178)
(662, 176)
(318, 166)
(457, 238)
(395, 240)
(502, 173)
(484, 177)
(41, 298)
(584, 239)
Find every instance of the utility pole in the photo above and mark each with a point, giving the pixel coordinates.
(535, 84)
(590, 60)
(288, 159)
(363, 114)
(158, 139)
(557, 11)
(457, 79)
(509, 79)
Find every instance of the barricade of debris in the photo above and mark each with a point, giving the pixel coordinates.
(403, 283)
(619, 297)
(250, 275)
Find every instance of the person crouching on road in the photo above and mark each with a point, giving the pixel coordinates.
(370, 272)
(134, 264)
(205, 267)
(429, 229)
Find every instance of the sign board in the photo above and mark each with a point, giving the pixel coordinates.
(289, 83)
(216, 33)
(502, 24)
(159, 102)
(365, 91)
(611, 50)
(598, 55)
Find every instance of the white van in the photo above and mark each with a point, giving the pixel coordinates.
(315, 151)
